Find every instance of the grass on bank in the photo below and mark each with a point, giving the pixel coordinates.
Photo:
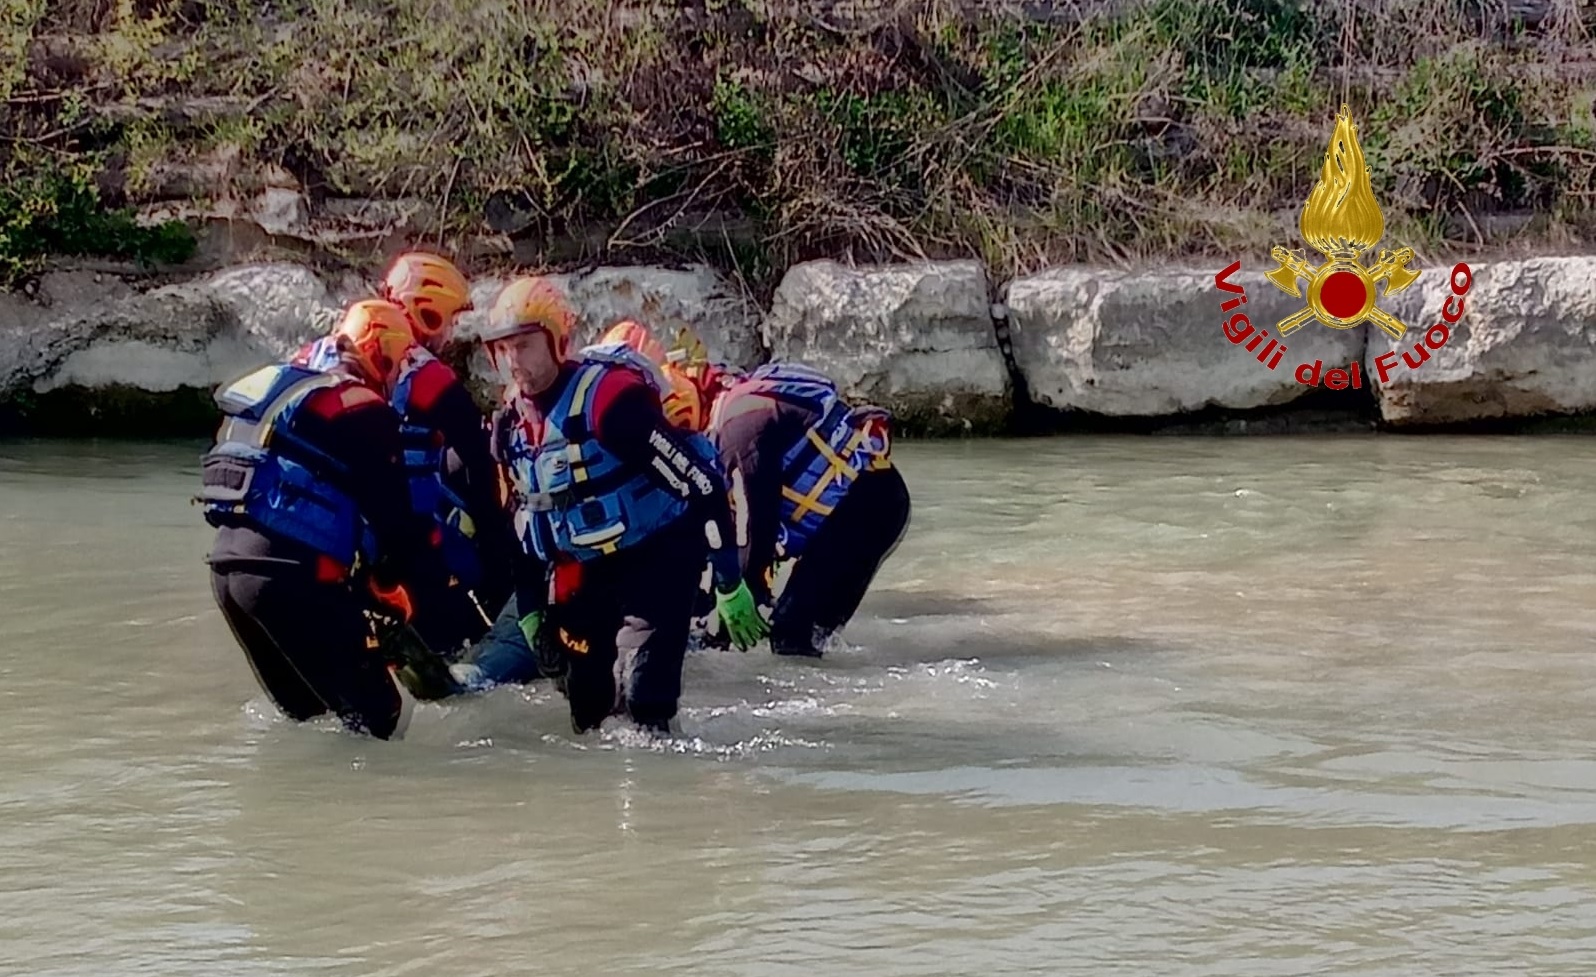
(1173, 128)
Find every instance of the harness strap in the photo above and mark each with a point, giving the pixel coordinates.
(576, 422)
(837, 465)
(805, 504)
(310, 384)
(262, 434)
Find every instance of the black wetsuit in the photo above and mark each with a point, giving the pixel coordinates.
(622, 620)
(841, 559)
(449, 617)
(296, 615)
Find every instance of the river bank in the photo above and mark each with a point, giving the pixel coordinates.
(1037, 196)
(949, 348)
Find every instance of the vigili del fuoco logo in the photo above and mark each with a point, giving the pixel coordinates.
(1341, 221)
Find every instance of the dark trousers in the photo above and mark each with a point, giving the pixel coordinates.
(624, 631)
(503, 655)
(306, 642)
(842, 558)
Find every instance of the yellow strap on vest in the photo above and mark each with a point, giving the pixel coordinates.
(837, 466)
(268, 422)
(804, 503)
(585, 381)
(839, 463)
(573, 451)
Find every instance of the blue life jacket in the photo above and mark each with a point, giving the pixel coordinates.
(261, 473)
(620, 354)
(821, 467)
(430, 496)
(572, 495)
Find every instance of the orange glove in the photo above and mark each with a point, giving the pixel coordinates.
(398, 598)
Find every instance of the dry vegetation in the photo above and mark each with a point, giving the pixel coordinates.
(1025, 134)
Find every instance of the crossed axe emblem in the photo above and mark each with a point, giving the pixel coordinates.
(1341, 291)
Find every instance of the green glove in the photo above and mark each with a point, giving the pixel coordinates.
(741, 616)
(529, 628)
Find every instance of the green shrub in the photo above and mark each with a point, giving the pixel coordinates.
(1175, 127)
(45, 213)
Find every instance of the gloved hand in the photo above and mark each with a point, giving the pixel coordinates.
(740, 615)
(398, 599)
(529, 625)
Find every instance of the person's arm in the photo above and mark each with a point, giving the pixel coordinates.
(443, 404)
(362, 431)
(755, 476)
(632, 425)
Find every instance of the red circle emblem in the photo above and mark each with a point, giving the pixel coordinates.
(1343, 295)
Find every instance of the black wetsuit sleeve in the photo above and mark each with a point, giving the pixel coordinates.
(367, 438)
(456, 416)
(633, 426)
(753, 466)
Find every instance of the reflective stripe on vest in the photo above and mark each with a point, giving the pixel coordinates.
(821, 467)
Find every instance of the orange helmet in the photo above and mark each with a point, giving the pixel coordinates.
(684, 407)
(374, 335)
(530, 303)
(636, 335)
(432, 292)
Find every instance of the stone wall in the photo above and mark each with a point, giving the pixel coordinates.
(936, 342)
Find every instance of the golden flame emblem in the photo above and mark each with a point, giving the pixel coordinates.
(1342, 220)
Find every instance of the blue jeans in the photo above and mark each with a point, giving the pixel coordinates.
(503, 654)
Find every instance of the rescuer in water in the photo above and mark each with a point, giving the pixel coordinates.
(616, 509)
(306, 488)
